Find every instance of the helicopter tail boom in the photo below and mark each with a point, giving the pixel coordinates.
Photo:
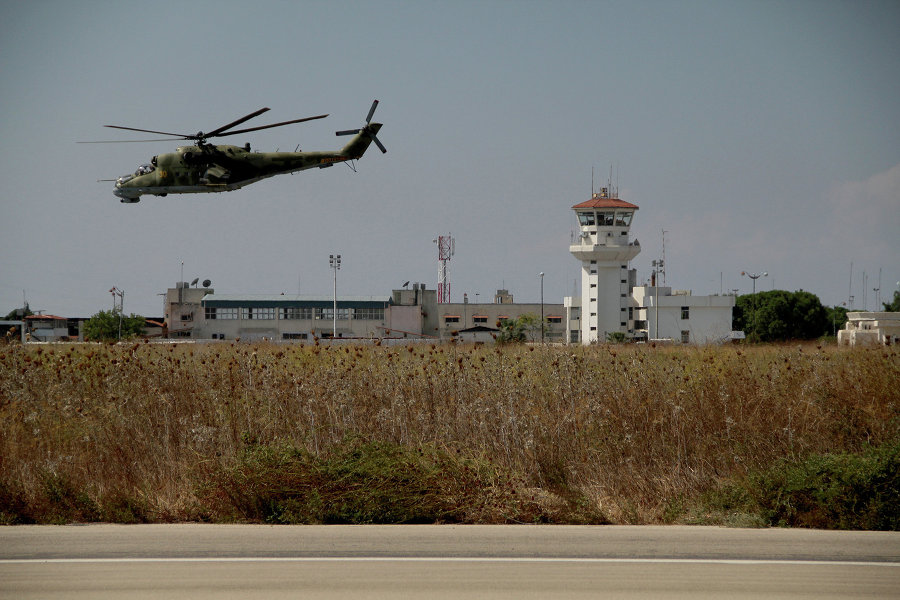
(361, 142)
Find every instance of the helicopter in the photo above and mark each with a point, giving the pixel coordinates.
(205, 168)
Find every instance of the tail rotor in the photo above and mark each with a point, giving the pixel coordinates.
(368, 129)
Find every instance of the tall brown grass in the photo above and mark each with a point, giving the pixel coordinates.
(138, 429)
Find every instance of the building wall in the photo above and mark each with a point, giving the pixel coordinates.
(708, 318)
(182, 308)
(870, 328)
(465, 315)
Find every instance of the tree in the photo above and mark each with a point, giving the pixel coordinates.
(511, 331)
(104, 326)
(525, 327)
(894, 305)
(779, 315)
(17, 314)
(837, 316)
(616, 337)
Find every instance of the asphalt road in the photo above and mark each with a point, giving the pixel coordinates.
(249, 562)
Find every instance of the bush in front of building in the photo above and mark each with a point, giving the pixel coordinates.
(111, 325)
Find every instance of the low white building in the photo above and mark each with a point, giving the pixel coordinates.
(663, 313)
(870, 328)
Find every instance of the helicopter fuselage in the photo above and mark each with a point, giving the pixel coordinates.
(209, 168)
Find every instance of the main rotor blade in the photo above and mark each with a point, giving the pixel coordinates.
(218, 131)
(267, 126)
(380, 146)
(348, 132)
(178, 139)
(181, 135)
(372, 111)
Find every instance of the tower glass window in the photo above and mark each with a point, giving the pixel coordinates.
(586, 219)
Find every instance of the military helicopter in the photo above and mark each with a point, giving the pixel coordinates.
(205, 168)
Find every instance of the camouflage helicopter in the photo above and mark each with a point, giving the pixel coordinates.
(205, 168)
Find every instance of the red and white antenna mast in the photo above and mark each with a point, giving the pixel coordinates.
(446, 249)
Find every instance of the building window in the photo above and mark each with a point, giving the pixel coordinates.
(451, 319)
(554, 319)
(293, 336)
(586, 219)
(479, 319)
(685, 337)
(623, 219)
(295, 313)
(187, 316)
(685, 313)
(368, 314)
(254, 313)
(222, 314)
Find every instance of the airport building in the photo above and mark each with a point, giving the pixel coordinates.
(200, 313)
(612, 306)
(870, 329)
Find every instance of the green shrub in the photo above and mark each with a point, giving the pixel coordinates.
(828, 491)
(368, 482)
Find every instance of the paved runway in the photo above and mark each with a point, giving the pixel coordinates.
(248, 562)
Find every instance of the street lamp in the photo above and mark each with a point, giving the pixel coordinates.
(335, 263)
(754, 277)
(542, 307)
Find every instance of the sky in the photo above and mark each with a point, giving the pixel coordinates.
(762, 137)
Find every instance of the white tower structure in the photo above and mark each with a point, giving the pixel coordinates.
(604, 249)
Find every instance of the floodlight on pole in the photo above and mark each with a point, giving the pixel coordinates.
(115, 291)
(334, 261)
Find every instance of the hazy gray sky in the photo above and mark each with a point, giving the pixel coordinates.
(762, 136)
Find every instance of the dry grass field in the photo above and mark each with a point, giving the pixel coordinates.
(444, 433)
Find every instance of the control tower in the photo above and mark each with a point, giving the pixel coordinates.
(604, 249)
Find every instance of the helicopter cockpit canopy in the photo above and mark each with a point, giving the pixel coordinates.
(144, 169)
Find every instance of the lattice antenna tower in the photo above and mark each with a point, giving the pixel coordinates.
(446, 249)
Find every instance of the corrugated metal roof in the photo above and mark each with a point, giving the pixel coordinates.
(598, 201)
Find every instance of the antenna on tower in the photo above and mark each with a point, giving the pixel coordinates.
(663, 270)
(446, 249)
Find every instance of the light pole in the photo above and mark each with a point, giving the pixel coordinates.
(335, 263)
(121, 294)
(542, 307)
(754, 277)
